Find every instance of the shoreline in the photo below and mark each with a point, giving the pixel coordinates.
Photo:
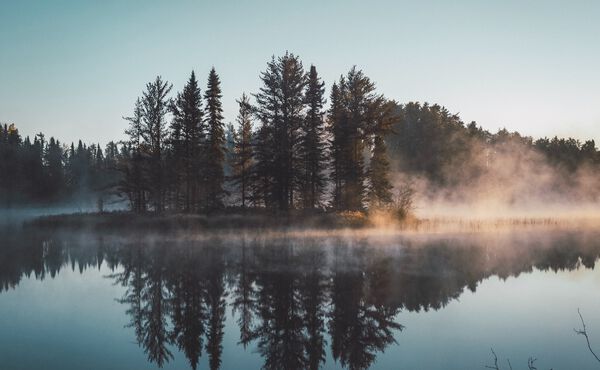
(382, 223)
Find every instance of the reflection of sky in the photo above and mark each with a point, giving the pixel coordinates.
(74, 322)
(73, 68)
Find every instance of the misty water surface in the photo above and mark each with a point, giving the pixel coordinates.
(287, 301)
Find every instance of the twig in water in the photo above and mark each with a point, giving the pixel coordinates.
(530, 362)
(495, 367)
(583, 332)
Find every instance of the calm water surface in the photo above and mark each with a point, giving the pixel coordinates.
(294, 301)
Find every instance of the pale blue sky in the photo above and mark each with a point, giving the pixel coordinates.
(73, 68)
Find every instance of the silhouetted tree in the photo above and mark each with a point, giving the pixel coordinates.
(312, 145)
(134, 182)
(280, 105)
(243, 154)
(187, 135)
(215, 155)
(155, 107)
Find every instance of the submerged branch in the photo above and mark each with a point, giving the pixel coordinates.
(583, 331)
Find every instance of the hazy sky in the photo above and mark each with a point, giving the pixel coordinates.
(73, 68)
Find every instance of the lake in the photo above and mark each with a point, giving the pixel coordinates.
(298, 300)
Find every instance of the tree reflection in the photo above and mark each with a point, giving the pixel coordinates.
(293, 300)
(188, 311)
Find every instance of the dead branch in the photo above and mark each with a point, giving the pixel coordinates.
(583, 331)
(495, 366)
(530, 362)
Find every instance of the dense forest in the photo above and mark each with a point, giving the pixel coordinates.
(291, 147)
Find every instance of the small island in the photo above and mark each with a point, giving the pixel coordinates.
(293, 158)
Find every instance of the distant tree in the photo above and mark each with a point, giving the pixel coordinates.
(242, 153)
(215, 147)
(53, 158)
(11, 160)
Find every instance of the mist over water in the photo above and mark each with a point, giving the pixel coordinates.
(333, 299)
(506, 180)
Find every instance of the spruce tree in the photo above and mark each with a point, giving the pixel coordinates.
(215, 146)
(243, 153)
(134, 174)
(53, 158)
(187, 135)
(380, 192)
(312, 146)
(280, 108)
(354, 113)
(156, 106)
(336, 117)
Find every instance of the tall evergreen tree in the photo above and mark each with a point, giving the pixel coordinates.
(187, 135)
(215, 147)
(53, 158)
(155, 105)
(353, 114)
(243, 154)
(381, 187)
(312, 146)
(380, 192)
(134, 180)
(280, 106)
(337, 137)
(10, 173)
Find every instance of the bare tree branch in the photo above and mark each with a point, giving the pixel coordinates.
(584, 332)
(495, 366)
(530, 362)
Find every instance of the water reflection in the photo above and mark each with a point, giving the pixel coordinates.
(293, 299)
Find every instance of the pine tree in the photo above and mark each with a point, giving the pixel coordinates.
(11, 172)
(336, 118)
(312, 146)
(215, 147)
(230, 134)
(280, 106)
(53, 157)
(380, 193)
(353, 116)
(187, 135)
(243, 153)
(156, 105)
(134, 180)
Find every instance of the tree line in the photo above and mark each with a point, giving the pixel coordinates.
(291, 148)
(44, 172)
